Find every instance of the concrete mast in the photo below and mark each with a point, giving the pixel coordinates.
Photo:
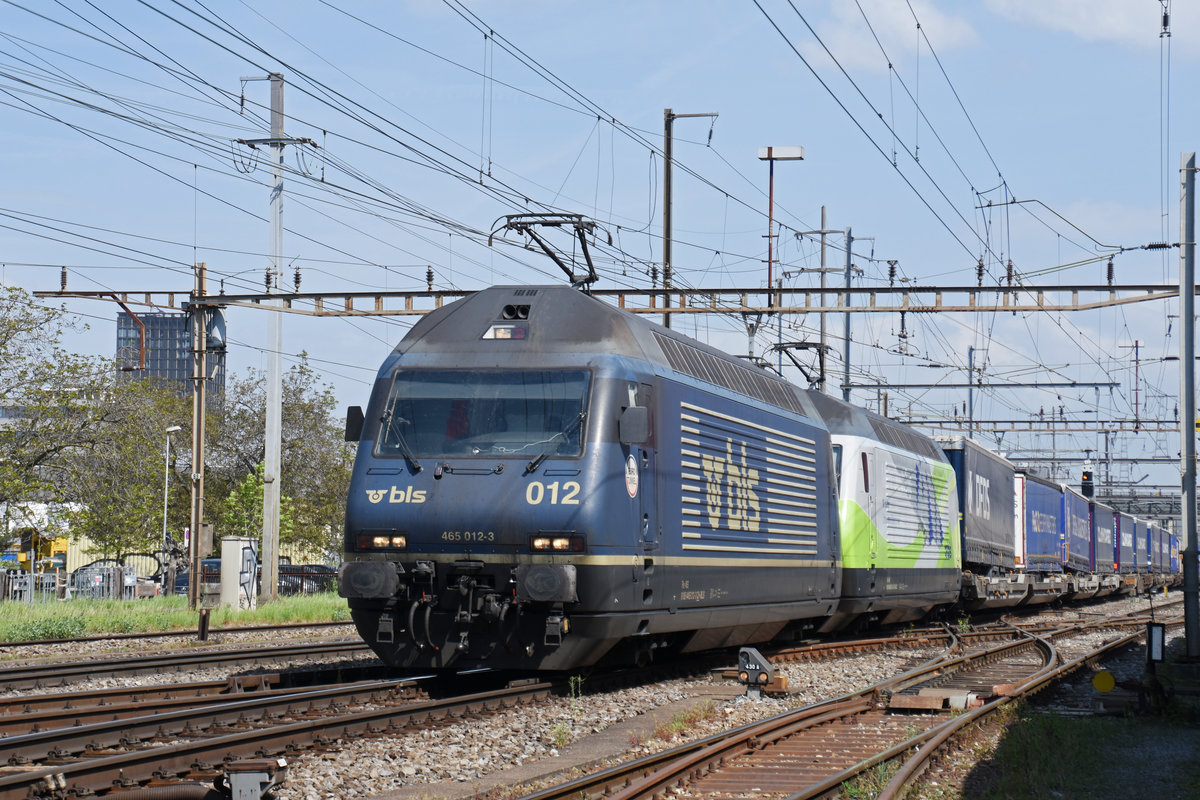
(1187, 400)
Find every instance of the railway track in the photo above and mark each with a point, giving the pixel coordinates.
(78, 742)
(46, 675)
(114, 742)
(811, 751)
(66, 744)
(188, 633)
(145, 751)
(45, 712)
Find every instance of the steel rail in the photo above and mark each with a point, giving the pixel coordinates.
(79, 719)
(167, 762)
(106, 637)
(642, 771)
(654, 775)
(912, 768)
(125, 732)
(18, 708)
(60, 674)
(752, 738)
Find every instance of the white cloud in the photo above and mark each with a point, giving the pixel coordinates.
(1130, 24)
(852, 42)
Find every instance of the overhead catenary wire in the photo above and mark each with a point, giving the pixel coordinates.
(355, 200)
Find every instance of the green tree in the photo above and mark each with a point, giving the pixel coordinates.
(117, 485)
(243, 508)
(315, 459)
(47, 400)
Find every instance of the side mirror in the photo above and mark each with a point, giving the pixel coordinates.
(354, 423)
(634, 425)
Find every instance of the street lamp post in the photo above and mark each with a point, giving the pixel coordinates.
(167, 481)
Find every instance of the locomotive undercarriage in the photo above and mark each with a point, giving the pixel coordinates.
(463, 614)
(432, 614)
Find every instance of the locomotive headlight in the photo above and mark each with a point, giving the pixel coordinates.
(382, 541)
(558, 542)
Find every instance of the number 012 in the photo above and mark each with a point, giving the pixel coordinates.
(537, 492)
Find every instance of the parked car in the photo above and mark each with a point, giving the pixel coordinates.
(293, 578)
(210, 573)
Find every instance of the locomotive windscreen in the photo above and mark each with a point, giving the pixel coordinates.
(435, 412)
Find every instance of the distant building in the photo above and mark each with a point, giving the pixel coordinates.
(168, 351)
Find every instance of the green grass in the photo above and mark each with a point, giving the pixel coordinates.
(1078, 758)
(63, 620)
(685, 720)
(869, 784)
(1081, 758)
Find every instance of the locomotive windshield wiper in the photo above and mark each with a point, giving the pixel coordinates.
(565, 432)
(387, 419)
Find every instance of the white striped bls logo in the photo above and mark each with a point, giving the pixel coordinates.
(727, 478)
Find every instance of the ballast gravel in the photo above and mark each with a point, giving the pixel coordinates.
(474, 749)
(477, 757)
(123, 648)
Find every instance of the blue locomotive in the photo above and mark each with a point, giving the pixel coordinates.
(544, 481)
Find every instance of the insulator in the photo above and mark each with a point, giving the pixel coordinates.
(429, 279)
(653, 275)
(891, 273)
(62, 278)
(979, 272)
(1010, 272)
(267, 279)
(1110, 272)
(296, 279)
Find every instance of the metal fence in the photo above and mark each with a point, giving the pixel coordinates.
(44, 587)
(104, 582)
(137, 576)
(129, 578)
(306, 578)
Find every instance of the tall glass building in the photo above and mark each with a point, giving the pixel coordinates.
(168, 351)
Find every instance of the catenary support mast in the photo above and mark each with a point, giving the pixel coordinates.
(274, 412)
(1187, 400)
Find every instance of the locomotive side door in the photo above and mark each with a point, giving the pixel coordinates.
(640, 472)
(650, 535)
(644, 455)
(874, 503)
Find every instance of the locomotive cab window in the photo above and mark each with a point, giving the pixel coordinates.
(434, 412)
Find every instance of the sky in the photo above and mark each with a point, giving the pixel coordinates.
(944, 134)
